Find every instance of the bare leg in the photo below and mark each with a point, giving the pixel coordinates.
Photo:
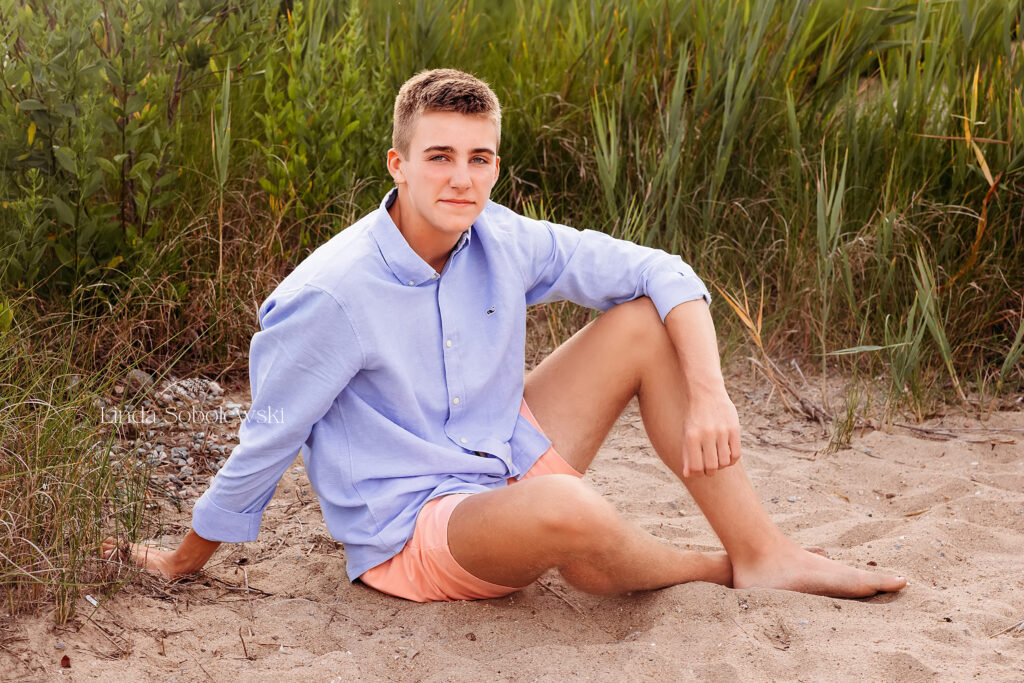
(510, 536)
(580, 389)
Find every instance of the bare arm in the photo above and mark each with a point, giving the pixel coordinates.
(188, 558)
(711, 425)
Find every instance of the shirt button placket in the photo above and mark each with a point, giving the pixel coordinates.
(451, 370)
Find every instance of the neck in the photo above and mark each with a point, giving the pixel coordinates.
(430, 246)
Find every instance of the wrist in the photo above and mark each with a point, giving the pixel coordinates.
(193, 554)
(703, 381)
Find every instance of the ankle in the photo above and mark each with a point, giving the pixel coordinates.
(769, 549)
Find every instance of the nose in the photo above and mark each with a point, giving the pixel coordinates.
(460, 176)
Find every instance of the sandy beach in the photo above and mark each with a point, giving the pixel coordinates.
(941, 502)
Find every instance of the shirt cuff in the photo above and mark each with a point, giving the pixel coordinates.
(668, 289)
(214, 523)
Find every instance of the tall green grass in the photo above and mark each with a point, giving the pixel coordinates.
(860, 163)
(64, 484)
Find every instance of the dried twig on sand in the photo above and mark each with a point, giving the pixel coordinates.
(561, 597)
(1016, 628)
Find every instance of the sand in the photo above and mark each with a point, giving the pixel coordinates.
(943, 507)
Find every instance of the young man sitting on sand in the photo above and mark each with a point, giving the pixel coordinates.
(395, 353)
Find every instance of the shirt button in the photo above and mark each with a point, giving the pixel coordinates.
(434, 276)
(463, 440)
(448, 343)
(412, 282)
(456, 400)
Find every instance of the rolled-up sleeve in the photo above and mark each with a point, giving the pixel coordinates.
(600, 271)
(304, 355)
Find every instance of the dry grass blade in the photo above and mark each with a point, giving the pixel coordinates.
(768, 368)
(1017, 629)
(972, 257)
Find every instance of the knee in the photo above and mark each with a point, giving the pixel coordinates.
(575, 516)
(640, 312)
(641, 323)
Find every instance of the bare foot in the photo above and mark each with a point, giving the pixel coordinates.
(151, 559)
(795, 569)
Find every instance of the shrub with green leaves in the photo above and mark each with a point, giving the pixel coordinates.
(319, 90)
(99, 103)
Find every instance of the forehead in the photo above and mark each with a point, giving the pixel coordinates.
(452, 129)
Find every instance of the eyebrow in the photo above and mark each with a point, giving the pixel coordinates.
(451, 150)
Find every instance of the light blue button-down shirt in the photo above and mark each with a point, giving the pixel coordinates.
(400, 384)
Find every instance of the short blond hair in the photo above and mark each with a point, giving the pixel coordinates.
(444, 90)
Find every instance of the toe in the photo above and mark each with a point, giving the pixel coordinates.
(891, 584)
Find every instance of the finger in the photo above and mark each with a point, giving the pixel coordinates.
(693, 460)
(734, 445)
(710, 450)
(724, 452)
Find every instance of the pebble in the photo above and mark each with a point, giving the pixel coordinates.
(172, 457)
(137, 379)
(59, 645)
(791, 499)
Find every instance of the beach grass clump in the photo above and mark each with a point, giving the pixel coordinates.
(64, 482)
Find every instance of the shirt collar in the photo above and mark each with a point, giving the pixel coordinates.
(404, 263)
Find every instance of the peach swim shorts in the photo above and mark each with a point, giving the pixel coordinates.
(425, 570)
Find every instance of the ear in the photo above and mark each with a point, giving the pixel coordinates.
(497, 165)
(394, 163)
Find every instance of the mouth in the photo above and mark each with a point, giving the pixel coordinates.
(457, 202)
